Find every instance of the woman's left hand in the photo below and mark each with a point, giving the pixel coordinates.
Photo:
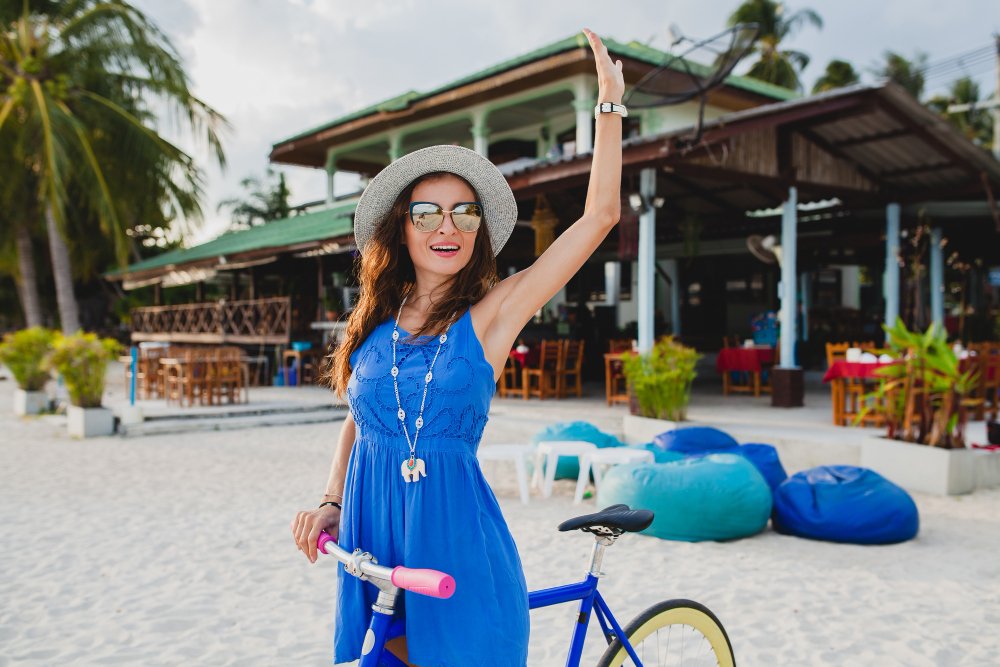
(610, 81)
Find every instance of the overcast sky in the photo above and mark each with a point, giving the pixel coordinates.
(277, 67)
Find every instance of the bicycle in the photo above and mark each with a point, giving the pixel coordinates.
(670, 632)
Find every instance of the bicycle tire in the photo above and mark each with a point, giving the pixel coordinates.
(689, 620)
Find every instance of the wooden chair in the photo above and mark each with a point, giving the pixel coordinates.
(549, 361)
(615, 383)
(619, 345)
(226, 376)
(187, 381)
(508, 384)
(571, 369)
(987, 392)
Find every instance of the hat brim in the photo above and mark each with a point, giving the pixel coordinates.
(499, 206)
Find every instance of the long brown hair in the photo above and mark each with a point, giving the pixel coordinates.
(386, 274)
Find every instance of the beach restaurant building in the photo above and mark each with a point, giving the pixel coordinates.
(840, 180)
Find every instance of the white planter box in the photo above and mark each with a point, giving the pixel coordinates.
(640, 430)
(89, 422)
(942, 472)
(130, 415)
(29, 402)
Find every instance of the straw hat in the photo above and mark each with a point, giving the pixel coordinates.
(499, 207)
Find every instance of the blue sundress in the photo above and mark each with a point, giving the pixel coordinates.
(448, 520)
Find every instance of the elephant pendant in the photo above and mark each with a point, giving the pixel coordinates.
(412, 469)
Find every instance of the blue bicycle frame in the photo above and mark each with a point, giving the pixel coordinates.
(385, 627)
(591, 602)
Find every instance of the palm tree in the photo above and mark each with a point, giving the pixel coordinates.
(261, 203)
(774, 64)
(75, 81)
(839, 73)
(907, 73)
(17, 254)
(976, 123)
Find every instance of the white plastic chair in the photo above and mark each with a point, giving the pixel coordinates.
(600, 459)
(518, 454)
(549, 453)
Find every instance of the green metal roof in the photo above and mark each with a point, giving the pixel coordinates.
(633, 49)
(315, 226)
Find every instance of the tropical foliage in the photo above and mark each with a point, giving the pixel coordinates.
(907, 73)
(976, 123)
(661, 380)
(775, 64)
(838, 74)
(924, 394)
(82, 361)
(24, 352)
(261, 202)
(78, 83)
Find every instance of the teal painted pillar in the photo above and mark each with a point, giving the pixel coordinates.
(789, 282)
(583, 104)
(647, 259)
(331, 170)
(481, 133)
(937, 279)
(890, 280)
(395, 147)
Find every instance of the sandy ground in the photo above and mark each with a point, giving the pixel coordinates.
(169, 550)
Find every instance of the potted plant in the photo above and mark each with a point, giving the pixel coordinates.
(331, 306)
(24, 353)
(661, 380)
(82, 361)
(925, 394)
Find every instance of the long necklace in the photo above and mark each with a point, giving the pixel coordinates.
(412, 467)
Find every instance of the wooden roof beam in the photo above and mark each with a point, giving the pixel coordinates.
(882, 136)
(924, 134)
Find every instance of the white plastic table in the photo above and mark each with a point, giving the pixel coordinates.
(599, 460)
(549, 453)
(518, 454)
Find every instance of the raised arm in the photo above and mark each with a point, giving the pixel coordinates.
(520, 296)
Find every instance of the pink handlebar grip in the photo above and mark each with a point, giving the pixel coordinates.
(324, 537)
(426, 582)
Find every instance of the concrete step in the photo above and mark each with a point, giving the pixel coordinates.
(234, 420)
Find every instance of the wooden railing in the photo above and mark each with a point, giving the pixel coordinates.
(254, 321)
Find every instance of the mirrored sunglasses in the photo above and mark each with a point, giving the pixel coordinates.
(427, 216)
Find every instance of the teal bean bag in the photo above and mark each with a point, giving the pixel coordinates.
(568, 467)
(712, 497)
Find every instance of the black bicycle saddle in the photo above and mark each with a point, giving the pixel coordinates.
(616, 517)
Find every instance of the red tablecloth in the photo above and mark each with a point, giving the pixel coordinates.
(527, 359)
(853, 369)
(743, 358)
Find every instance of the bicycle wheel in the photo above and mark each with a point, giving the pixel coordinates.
(673, 633)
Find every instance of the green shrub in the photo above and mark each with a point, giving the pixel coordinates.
(82, 360)
(24, 354)
(661, 379)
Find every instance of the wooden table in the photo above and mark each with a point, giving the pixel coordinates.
(847, 388)
(749, 360)
(300, 358)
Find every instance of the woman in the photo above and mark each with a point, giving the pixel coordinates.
(404, 483)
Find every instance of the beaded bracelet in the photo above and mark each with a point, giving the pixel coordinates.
(331, 502)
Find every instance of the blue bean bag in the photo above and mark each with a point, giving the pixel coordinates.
(659, 455)
(844, 504)
(697, 440)
(712, 497)
(568, 467)
(765, 457)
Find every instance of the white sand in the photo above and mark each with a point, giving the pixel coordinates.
(176, 550)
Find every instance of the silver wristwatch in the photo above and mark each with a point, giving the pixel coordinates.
(610, 107)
